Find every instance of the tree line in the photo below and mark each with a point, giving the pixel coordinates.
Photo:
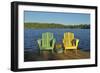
(54, 25)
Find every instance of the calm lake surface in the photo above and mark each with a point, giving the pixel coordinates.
(32, 35)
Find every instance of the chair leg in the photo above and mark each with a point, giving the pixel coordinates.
(76, 51)
(52, 51)
(41, 51)
(64, 51)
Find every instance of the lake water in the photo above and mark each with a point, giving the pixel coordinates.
(32, 35)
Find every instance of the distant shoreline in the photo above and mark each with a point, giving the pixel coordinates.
(55, 25)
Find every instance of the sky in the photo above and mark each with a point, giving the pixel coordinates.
(56, 17)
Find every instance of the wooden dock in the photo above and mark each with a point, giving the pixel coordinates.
(47, 55)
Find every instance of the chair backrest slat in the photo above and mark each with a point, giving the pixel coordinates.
(46, 38)
(68, 37)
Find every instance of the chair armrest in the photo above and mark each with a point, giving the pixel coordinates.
(53, 42)
(77, 42)
(63, 41)
(39, 42)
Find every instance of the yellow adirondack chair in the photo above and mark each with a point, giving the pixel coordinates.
(70, 42)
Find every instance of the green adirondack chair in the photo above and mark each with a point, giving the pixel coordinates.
(47, 42)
